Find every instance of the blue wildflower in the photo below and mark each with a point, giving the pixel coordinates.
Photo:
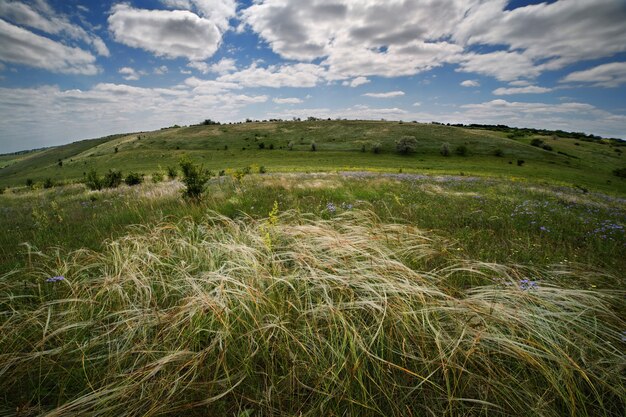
(330, 207)
(56, 279)
(526, 285)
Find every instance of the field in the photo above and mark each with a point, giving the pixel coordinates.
(339, 282)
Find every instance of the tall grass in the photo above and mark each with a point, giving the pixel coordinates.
(296, 315)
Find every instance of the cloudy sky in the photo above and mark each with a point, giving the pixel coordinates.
(75, 69)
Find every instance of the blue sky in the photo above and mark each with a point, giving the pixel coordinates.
(77, 69)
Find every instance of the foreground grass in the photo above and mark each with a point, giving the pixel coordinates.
(297, 314)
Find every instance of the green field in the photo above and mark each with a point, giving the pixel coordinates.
(340, 282)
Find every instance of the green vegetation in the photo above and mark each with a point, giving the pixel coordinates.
(378, 292)
(338, 145)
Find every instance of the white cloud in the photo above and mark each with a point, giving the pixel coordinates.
(606, 75)
(502, 65)
(168, 33)
(470, 83)
(129, 74)
(44, 116)
(296, 75)
(356, 82)
(39, 15)
(531, 89)
(21, 46)
(218, 11)
(161, 70)
(290, 100)
(390, 94)
(563, 32)
(417, 104)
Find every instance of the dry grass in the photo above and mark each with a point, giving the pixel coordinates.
(294, 315)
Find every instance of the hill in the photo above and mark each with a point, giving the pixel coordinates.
(346, 145)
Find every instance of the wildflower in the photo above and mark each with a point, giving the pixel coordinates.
(55, 279)
(526, 285)
(330, 207)
(346, 206)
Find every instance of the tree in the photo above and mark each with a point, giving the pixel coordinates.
(112, 179)
(406, 145)
(445, 149)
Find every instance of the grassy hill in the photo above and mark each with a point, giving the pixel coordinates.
(340, 145)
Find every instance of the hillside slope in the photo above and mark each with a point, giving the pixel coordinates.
(287, 146)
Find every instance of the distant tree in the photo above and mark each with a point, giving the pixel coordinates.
(445, 149)
(60, 163)
(29, 183)
(116, 149)
(376, 147)
(313, 146)
(271, 147)
(498, 152)
(406, 145)
(461, 150)
(536, 142)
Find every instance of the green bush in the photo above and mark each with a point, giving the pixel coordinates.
(133, 178)
(620, 172)
(406, 145)
(499, 153)
(376, 148)
(30, 183)
(461, 150)
(48, 183)
(172, 172)
(195, 178)
(536, 142)
(313, 146)
(445, 149)
(112, 179)
(262, 169)
(93, 181)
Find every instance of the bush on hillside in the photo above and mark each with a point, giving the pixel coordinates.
(157, 177)
(133, 178)
(461, 150)
(93, 180)
(112, 179)
(195, 178)
(172, 172)
(48, 183)
(620, 172)
(406, 145)
(445, 149)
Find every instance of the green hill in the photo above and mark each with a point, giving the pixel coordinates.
(345, 145)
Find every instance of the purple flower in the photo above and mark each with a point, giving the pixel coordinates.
(55, 279)
(526, 285)
(330, 207)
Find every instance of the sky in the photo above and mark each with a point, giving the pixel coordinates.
(78, 69)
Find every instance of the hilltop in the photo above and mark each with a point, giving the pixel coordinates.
(283, 146)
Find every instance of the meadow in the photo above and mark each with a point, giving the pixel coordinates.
(474, 287)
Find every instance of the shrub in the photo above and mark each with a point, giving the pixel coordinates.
(271, 146)
(116, 149)
(536, 142)
(195, 178)
(157, 177)
(461, 150)
(363, 148)
(133, 178)
(112, 179)
(520, 162)
(30, 183)
(172, 172)
(225, 147)
(313, 146)
(262, 169)
(376, 148)
(406, 145)
(499, 153)
(290, 146)
(620, 172)
(261, 145)
(547, 147)
(2, 189)
(445, 149)
(60, 163)
(47, 183)
(93, 181)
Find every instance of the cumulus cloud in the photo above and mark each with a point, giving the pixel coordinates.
(168, 33)
(21, 46)
(39, 15)
(390, 94)
(277, 76)
(397, 38)
(531, 89)
(161, 70)
(355, 82)
(290, 100)
(606, 75)
(470, 83)
(129, 74)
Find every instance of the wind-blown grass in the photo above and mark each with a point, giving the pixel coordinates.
(296, 315)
